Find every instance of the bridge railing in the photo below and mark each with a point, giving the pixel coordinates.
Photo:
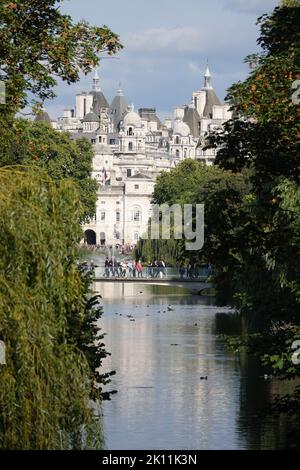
(168, 273)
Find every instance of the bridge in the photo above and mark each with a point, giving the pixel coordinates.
(196, 285)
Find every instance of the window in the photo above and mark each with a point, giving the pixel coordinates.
(102, 202)
(102, 216)
(177, 153)
(136, 186)
(177, 141)
(185, 152)
(136, 214)
(129, 172)
(118, 202)
(112, 141)
(118, 216)
(130, 146)
(136, 236)
(93, 141)
(130, 131)
(100, 139)
(117, 235)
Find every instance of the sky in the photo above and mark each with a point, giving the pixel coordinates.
(166, 46)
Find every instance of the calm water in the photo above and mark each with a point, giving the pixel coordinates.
(161, 402)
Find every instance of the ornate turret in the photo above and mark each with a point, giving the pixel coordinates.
(96, 82)
(207, 79)
(211, 97)
(99, 100)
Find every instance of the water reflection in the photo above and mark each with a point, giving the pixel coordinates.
(159, 358)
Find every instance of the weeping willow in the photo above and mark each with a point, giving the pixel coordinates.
(45, 384)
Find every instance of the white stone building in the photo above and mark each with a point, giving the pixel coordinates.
(132, 148)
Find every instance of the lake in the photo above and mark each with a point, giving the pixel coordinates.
(162, 403)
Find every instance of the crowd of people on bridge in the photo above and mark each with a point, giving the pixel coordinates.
(132, 268)
(193, 271)
(155, 269)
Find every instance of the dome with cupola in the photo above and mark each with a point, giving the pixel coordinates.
(132, 118)
(181, 128)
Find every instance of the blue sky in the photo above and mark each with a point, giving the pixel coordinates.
(166, 45)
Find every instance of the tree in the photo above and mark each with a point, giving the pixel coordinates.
(224, 196)
(54, 347)
(264, 137)
(51, 359)
(38, 144)
(39, 43)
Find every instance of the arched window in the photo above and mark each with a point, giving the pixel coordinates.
(177, 141)
(185, 153)
(177, 153)
(136, 214)
(130, 146)
(102, 238)
(90, 237)
(130, 131)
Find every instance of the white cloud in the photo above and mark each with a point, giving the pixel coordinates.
(251, 6)
(178, 39)
(194, 68)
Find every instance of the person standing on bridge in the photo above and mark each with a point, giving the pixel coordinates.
(129, 268)
(106, 268)
(163, 268)
(149, 269)
(139, 268)
(181, 271)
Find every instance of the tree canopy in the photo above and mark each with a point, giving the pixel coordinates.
(49, 375)
(38, 44)
(38, 144)
(48, 315)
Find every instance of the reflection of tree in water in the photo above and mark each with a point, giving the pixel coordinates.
(260, 429)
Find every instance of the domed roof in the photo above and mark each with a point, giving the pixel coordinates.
(181, 128)
(90, 117)
(132, 118)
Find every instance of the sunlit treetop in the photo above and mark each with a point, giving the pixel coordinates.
(39, 44)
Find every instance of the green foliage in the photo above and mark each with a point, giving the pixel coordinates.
(224, 196)
(38, 144)
(39, 43)
(264, 136)
(46, 385)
